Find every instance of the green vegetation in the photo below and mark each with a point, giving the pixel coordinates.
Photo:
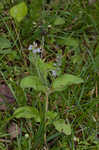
(49, 75)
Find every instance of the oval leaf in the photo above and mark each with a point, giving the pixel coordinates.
(59, 21)
(4, 43)
(71, 42)
(19, 11)
(65, 80)
(27, 112)
(1, 6)
(61, 126)
(32, 82)
(50, 115)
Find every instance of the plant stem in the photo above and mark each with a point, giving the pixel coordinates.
(46, 110)
(46, 103)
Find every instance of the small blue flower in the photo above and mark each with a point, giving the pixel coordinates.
(30, 47)
(37, 50)
(54, 73)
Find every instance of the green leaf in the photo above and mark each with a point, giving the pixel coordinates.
(96, 65)
(59, 21)
(41, 67)
(71, 42)
(65, 80)
(27, 112)
(32, 82)
(68, 41)
(50, 115)
(6, 51)
(44, 67)
(1, 6)
(61, 126)
(97, 50)
(76, 59)
(35, 9)
(4, 43)
(19, 11)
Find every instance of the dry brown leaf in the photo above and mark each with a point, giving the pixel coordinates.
(6, 97)
(14, 130)
(91, 2)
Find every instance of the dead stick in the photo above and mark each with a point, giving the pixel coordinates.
(96, 107)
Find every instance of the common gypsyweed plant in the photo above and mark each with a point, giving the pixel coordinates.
(40, 83)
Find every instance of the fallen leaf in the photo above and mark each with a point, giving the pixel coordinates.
(91, 2)
(6, 97)
(14, 130)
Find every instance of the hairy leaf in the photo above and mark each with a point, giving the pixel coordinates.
(59, 21)
(65, 80)
(61, 126)
(32, 82)
(4, 43)
(27, 112)
(19, 11)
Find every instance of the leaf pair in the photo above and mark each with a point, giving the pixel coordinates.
(58, 84)
(29, 112)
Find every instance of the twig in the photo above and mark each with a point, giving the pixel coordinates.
(96, 107)
(4, 140)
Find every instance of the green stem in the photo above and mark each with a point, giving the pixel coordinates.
(46, 110)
